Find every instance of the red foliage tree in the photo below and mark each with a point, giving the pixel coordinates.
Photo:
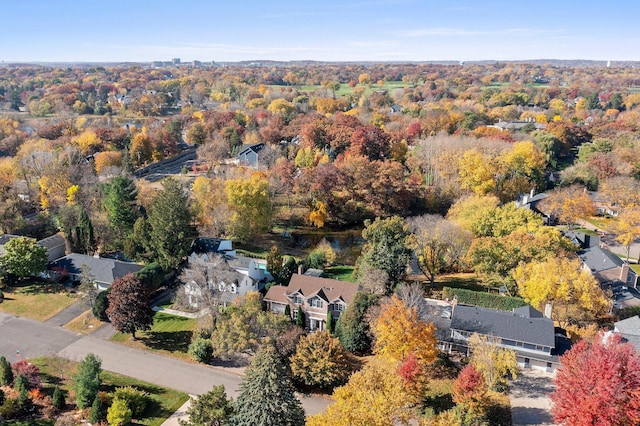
(28, 370)
(598, 384)
(470, 387)
(129, 309)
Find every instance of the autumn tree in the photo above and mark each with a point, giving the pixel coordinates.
(250, 204)
(321, 361)
(352, 328)
(209, 409)
(129, 308)
(477, 172)
(399, 332)
(573, 292)
(569, 205)
(470, 389)
(24, 257)
(170, 224)
(491, 360)
(267, 380)
(108, 162)
(374, 396)
(439, 244)
(628, 227)
(209, 205)
(386, 247)
(598, 383)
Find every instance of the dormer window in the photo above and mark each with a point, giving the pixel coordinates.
(316, 303)
(297, 299)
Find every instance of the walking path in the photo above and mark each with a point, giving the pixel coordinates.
(530, 402)
(68, 314)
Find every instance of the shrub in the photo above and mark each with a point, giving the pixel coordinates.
(2, 397)
(24, 401)
(8, 408)
(87, 380)
(482, 299)
(58, 398)
(1, 296)
(201, 350)
(6, 372)
(98, 411)
(119, 413)
(100, 306)
(21, 384)
(152, 276)
(135, 399)
(30, 371)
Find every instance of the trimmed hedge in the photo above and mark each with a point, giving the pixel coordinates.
(482, 299)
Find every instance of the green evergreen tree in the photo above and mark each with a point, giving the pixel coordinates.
(25, 403)
(330, 324)
(100, 306)
(352, 327)
(120, 203)
(83, 235)
(21, 384)
(209, 409)
(6, 373)
(300, 319)
(287, 311)
(98, 411)
(170, 225)
(138, 244)
(267, 396)
(58, 398)
(87, 380)
(2, 397)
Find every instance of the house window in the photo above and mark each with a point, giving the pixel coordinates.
(315, 303)
(507, 342)
(295, 314)
(338, 307)
(298, 300)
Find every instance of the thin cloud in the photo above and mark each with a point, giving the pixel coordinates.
(461, 32)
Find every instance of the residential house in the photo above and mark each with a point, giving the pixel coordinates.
(524, 330)
(608, 268)
(206, 245)
(249, 154)
(103, 270)
(630, 330)
(227, 277)
(315, 295)
(517, 125)
(54, 244)
(531, 201)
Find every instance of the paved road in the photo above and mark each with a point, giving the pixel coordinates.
(33, 339)
(530, 402)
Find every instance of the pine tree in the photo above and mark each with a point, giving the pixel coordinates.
(330, 325)
(21, 384)
(87, 380)
(129, 305)
(58, 398)
(120, 203)
(300, 320)
(170, 225)
(267, 381)
(209, 409)
(6, 373)
(98, 410)
(287, 311)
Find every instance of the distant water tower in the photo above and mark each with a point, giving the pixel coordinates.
(461, 62)
(608, 64)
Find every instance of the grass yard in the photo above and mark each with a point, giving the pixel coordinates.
(84, 323)
(604, 223)
(169, 335)
(38, 301)
(469, 281)
(340, 272)
(164, 402)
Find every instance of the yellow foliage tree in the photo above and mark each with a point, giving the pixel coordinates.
(569, 205)
(469, 211)
(209, 204)
(477, 172)
(280, 106)
(250, 204)
(572, 291)
(399, 332)
(492, 361)
(318, 214)
(105, 159)
(628, 227)
(87, 141)
(141, 150)
(374, 396)
(72, 194)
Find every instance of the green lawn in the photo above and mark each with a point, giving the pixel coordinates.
(164, 402)
(169, 335)
(604, 223)
(340, 272)
(38, 301)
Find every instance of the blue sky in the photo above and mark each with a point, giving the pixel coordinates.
(324, 30)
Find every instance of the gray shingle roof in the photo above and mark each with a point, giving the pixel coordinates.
(103, 270)
(506, 325)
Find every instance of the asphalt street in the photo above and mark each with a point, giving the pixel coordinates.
(25, 338)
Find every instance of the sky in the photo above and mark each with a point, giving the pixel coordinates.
(321, 30)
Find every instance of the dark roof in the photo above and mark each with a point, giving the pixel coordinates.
(506, 325)
(102, 269)
(255, 148)
(527, 311)
(55, 240)
(203, 245)
(4, 238)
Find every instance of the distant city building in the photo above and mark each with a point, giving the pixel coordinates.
(196, 64)
(157, 64)
(175, 61)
